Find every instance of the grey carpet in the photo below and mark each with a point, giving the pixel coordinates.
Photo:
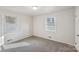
(38, 44)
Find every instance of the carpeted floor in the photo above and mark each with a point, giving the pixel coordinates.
(38, 44)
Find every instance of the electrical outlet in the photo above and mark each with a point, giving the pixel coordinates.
(49, 37)
(75, 43)
(8, 40)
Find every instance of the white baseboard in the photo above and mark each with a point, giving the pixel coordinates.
(52, 39)
(19, 39)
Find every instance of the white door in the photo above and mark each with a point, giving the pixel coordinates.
(77, 28)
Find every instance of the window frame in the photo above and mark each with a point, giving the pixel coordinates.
(46, 24)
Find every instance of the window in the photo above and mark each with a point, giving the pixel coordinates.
(10, 24)
(51, 24)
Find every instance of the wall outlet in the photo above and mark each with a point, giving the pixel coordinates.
(49, 37)
(75, 43)
(8, 40)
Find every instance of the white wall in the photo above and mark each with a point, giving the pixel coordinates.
(24, 25)
(65, 26)
(77, 28)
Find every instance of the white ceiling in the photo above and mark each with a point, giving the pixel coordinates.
(29, 11)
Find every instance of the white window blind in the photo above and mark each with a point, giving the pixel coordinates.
(51, 24)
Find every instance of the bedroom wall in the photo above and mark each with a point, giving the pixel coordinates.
(65, 31)
(23, 26)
